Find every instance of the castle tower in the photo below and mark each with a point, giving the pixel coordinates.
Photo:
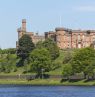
(22, 30)
(23, 25)
(60, 37)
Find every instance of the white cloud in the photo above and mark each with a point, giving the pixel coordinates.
(86, 8)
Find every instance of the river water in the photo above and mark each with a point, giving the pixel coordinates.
(46, 91)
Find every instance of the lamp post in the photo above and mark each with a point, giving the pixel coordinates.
(42, 73)
(19, 76)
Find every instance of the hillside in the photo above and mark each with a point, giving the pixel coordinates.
(12, 59)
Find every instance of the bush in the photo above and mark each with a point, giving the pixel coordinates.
(15, 70)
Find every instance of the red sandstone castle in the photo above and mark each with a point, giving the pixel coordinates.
(65, 38)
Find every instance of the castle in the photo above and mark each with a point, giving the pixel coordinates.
(64, 38)
(22, 30)
(68, 38)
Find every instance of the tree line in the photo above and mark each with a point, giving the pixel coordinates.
(80, 62)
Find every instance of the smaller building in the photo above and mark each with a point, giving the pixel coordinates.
(34, 36)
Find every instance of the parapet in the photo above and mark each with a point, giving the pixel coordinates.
(59, 29)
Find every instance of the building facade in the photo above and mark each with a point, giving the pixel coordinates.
(64, 38)
(22, 30)
(68, 38)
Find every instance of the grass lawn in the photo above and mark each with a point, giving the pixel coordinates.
(47, 82)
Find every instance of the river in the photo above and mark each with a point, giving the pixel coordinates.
(46, 91)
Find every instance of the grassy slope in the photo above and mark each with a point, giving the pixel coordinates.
(58, 60)
(20, 70)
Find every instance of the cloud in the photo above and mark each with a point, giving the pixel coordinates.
(85, 8)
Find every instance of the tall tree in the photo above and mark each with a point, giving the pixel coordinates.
(25, 46)
(40, 59)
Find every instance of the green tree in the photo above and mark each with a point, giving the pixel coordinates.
(82, 59)
(52, 47)
(25, 46)
(8, 51)
(67, 71)
(40, 59)
(11, 50)
(39, 44)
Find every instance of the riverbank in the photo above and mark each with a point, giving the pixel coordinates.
(46, 82)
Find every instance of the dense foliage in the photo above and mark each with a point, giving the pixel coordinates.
(8, 63)
(24, 49)
(8, 51)
(82, 62)
(40, 59)
(67, 71)
(25, 46)
(51, 46)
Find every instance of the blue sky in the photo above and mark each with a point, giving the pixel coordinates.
(42, 16)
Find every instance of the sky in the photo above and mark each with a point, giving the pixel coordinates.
(43, 16)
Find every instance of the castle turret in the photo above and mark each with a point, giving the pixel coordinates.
(22, 30)
(60, 37)
(24, 25)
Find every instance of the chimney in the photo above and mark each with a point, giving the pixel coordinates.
(24, 25)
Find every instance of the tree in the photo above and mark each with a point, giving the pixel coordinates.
(52, 47)
(39, 44)
(67, 71)
(11, 50)
(8, 63)
(40, 59)
(25, 46)
(82, 59)
(8, 51)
